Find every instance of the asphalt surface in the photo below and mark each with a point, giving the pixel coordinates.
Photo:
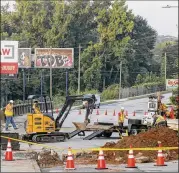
(138, 105)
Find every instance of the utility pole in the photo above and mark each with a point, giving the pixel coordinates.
(23, 71)
(79, 68)
(51, 72)
(104, 79)
(120, 80)
(166, 70)
(41, 83)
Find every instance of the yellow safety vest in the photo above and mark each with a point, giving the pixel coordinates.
(160, 119)
(121, 117)
(163, 107)
(9, 110)
(36, 109)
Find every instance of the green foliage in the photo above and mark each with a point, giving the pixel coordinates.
(108, 33)
(112, 92)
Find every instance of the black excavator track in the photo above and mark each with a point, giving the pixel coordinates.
(46, 138)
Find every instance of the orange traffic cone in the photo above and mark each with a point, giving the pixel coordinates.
(134, 113)
(8, 154)
(97, 112)
(101, 162)
(79, 112)
(172, 116)
(114, 113)
(106, 113)
(131, 159)
(160, 157)
(70, 162)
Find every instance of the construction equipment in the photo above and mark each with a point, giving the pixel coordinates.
(44, 127)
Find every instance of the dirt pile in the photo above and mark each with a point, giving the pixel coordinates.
(167, 136)
(48, 158)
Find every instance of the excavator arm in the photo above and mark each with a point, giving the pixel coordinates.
(68, 104)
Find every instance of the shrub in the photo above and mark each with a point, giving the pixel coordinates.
(110, 93)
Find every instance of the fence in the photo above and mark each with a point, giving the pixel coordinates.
(137, 91)
(25, 108)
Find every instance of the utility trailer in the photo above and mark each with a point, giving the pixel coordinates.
(101, 129)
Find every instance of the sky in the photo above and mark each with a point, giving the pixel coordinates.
(163, 20)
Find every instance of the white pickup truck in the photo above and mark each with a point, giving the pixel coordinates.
(96, 104)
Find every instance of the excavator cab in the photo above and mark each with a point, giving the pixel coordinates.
(41, 121)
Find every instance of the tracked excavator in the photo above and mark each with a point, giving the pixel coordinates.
(43, 127)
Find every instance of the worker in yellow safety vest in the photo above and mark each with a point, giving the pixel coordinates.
(121, 117)
(36, 107)
(159, 120)
(162, 108)
(9, 115)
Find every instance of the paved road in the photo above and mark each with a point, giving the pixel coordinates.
(139, 106)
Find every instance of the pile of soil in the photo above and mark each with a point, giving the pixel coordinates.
(166, 136)
(48, 158)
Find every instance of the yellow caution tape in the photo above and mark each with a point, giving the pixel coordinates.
(33, 143)
(94, 149)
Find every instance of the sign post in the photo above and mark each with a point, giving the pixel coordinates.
(56, 58)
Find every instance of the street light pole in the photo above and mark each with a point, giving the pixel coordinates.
(51, 72)
(169, 6)
(79, 68)
(120, 80)
(166, 70)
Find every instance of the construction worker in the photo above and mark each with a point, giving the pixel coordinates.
(162, 108)
(159, 120)
(36, 107)
(121, 117)
(9, 115)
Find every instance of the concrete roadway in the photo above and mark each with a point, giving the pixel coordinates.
(138, 105)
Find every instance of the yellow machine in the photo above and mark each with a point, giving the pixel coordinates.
(42, 127)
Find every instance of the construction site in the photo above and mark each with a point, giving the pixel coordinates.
(99, 143)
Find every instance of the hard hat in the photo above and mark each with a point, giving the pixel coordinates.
(11, 101)
(122, 108)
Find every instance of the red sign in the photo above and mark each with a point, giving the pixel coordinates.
(9, 67)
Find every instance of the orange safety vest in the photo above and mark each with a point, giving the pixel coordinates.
(9, 110)
(121, 116)
(163, 107)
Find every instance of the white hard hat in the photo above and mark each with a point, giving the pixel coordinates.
(11, 101)
(122, 108)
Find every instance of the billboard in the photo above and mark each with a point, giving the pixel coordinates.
(60, 58)
(9, 57)
(171, 83)
(24, 57)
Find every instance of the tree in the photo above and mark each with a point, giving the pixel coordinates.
(138, 52)
(171, 51)
(113, 25)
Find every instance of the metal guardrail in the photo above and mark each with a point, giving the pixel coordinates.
(25, 108)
